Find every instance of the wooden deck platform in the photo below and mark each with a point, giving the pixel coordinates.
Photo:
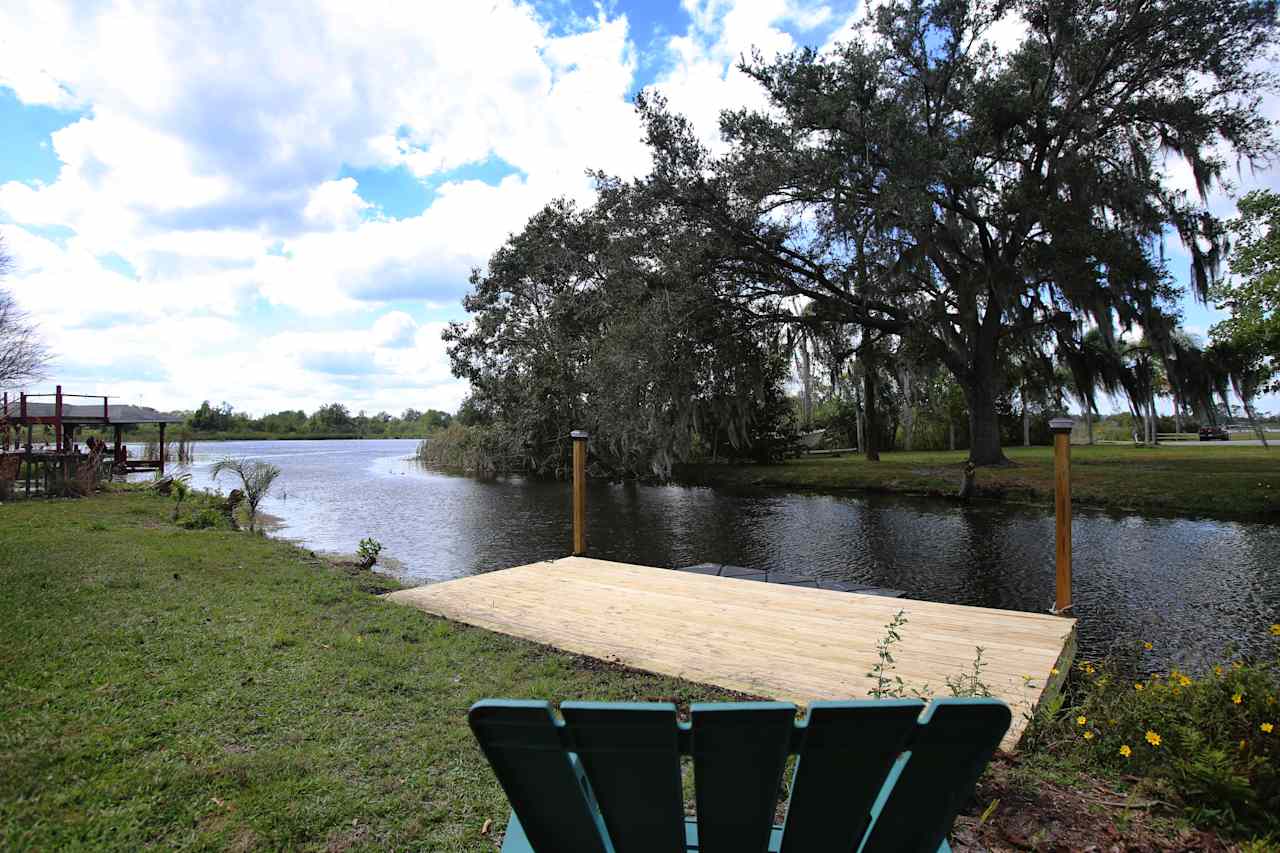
(784, 642)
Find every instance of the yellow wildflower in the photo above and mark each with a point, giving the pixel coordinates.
(1275, 630)
(1238, 698)
(1184, 681)
(1088, 735)
(1138, 686)
(1153, 738)
(1080, 720)
(1217, 670)
(1126, 751)
(1147, 646)
(1053, 671)
(1088, 669)
(1267, 728)
(1243, 744)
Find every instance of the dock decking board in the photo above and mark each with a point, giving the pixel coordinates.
(783, 641)
(725, 570)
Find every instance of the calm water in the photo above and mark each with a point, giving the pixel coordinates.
(1191, 586)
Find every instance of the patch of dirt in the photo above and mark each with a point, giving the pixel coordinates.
(1050, 816)
(340, 842)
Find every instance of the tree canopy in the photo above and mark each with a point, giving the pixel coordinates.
(601, 319)
(1253, 295)
(920, 182)
(918, 214)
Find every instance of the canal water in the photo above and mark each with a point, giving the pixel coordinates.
(1192, 587)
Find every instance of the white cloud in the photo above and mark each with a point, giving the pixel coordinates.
(704, 78)
(395, 330)
(209, 157)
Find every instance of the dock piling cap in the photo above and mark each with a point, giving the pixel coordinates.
(1061, 424)
(578, 435)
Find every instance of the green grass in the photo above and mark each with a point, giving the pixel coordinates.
(1212, 480)
(210, 690)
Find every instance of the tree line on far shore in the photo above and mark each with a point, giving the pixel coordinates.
(333, 419)
(924, 222)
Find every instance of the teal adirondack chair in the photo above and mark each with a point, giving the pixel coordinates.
(887, 775)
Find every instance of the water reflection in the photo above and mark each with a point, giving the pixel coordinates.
(1191, 586)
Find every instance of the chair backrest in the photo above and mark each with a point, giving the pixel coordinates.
(889, 775)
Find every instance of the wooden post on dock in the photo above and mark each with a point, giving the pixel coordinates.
(1061, 428)
(162, 448)
(579, 492)
(57, 418)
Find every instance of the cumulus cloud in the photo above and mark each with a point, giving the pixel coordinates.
(217, 156)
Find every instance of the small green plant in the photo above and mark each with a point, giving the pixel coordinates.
(368, 552)
(257, 478)
(888, 686)
(1209, 742)
(204, 519)
(181, 488)
(970, 683)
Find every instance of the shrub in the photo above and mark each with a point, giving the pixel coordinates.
(1212, 742)
(369, 550)
(204, 519)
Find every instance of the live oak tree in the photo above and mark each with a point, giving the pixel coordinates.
(918, 180)
(605, 319)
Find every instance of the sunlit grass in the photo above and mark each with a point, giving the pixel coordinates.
(210, 689)
(1216, 479)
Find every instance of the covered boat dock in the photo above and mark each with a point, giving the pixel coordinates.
(53, 462)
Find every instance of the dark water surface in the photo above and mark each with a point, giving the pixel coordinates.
(1191, 586)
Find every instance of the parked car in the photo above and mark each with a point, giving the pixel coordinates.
(1213, 433)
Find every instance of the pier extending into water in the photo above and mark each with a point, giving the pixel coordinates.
(773, 640)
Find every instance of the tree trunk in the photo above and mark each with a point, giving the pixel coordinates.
(951, 432)
(1088, 422)
(806, 382)
(1253, 421)
(984, 422)
(1177, 413)
(870, 433)
(858, 419)
(1026, 420)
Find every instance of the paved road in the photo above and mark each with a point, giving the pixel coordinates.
(1252, 442)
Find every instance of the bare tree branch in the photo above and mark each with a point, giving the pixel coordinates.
(23, 355)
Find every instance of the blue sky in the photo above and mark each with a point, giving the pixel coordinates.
(279, 204)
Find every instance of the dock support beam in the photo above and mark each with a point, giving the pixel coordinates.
(1061, 428)
(579, 492)
(57, 419)
(162, 448)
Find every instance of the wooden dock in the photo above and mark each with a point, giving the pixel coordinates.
(780, 641)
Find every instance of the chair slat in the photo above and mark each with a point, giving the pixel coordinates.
(630, 752)
(955, 740)
(847, 751)
(739, 752)
(522, 741)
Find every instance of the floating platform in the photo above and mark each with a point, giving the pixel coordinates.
(724, 570)
(781, 641)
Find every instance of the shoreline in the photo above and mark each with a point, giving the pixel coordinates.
(1230, 484)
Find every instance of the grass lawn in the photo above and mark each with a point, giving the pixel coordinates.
(1217, 479)
(171, 688)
